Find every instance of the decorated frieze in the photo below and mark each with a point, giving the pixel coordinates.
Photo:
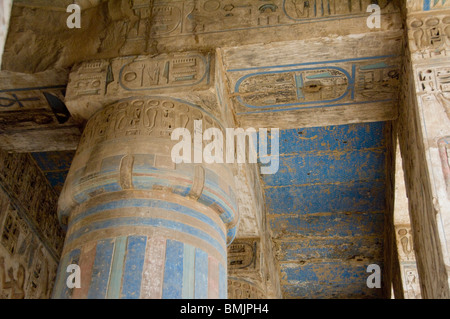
(315, 84)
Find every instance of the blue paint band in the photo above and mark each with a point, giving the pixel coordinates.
(101, 270)
(134, 266)
(173, 270)
(201, 274)
(150, 222)
(149, 203)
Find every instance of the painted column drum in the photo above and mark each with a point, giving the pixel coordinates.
(139, 225)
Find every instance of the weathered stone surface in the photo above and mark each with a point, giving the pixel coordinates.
(5, 6)
(422, 122)
(307, 88)
(30, 238)
(97, 83)
(121, 28)
(426, 5)
(338, 90)
(33, 115)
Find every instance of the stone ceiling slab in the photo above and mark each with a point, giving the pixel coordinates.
(326, 209)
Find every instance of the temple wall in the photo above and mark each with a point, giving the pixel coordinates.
(31, 238)
(423, 129)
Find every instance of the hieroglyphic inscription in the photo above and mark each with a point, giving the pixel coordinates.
(90, 79)
(27, 270)
(153, 117)
(29, 190)
(372, 79)
(435, 81)
(429, 36)
(405, 243)
(209, 16)
(243, 289)
(242, 254)
(146, 73)
(427, 5)
(97, 83)
(303, 9)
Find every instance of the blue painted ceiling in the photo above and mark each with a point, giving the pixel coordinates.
(55, 166)
(326, 208)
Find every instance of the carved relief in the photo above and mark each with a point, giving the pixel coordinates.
(154, 117)
(405, 243)
(10, 232)
(427, 5)
(15, 282)
(435, 82)
(429, 37)
(243, 255)
(411, 282)
(27, 270)
(89, 79)
(243, 289)
(145, 73)
(318, 84)
(31, 193)
(303, 9)
(209, 16)
(94, 84)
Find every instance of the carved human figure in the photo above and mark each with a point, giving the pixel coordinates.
(411, 285)
(16, 285)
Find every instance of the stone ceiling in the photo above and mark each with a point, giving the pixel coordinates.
(326, 208)
(326, 80)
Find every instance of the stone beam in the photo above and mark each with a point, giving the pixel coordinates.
(121, 27)
(283, 85)
(33, 116)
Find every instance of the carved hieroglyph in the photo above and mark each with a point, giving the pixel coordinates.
(429, 36)
(405, 243)
(29, 190)
(27, 269)
(96, 83)
(240, 288)
(315, 84)
(123, 27)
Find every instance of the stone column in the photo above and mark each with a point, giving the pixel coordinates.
(139, 225)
